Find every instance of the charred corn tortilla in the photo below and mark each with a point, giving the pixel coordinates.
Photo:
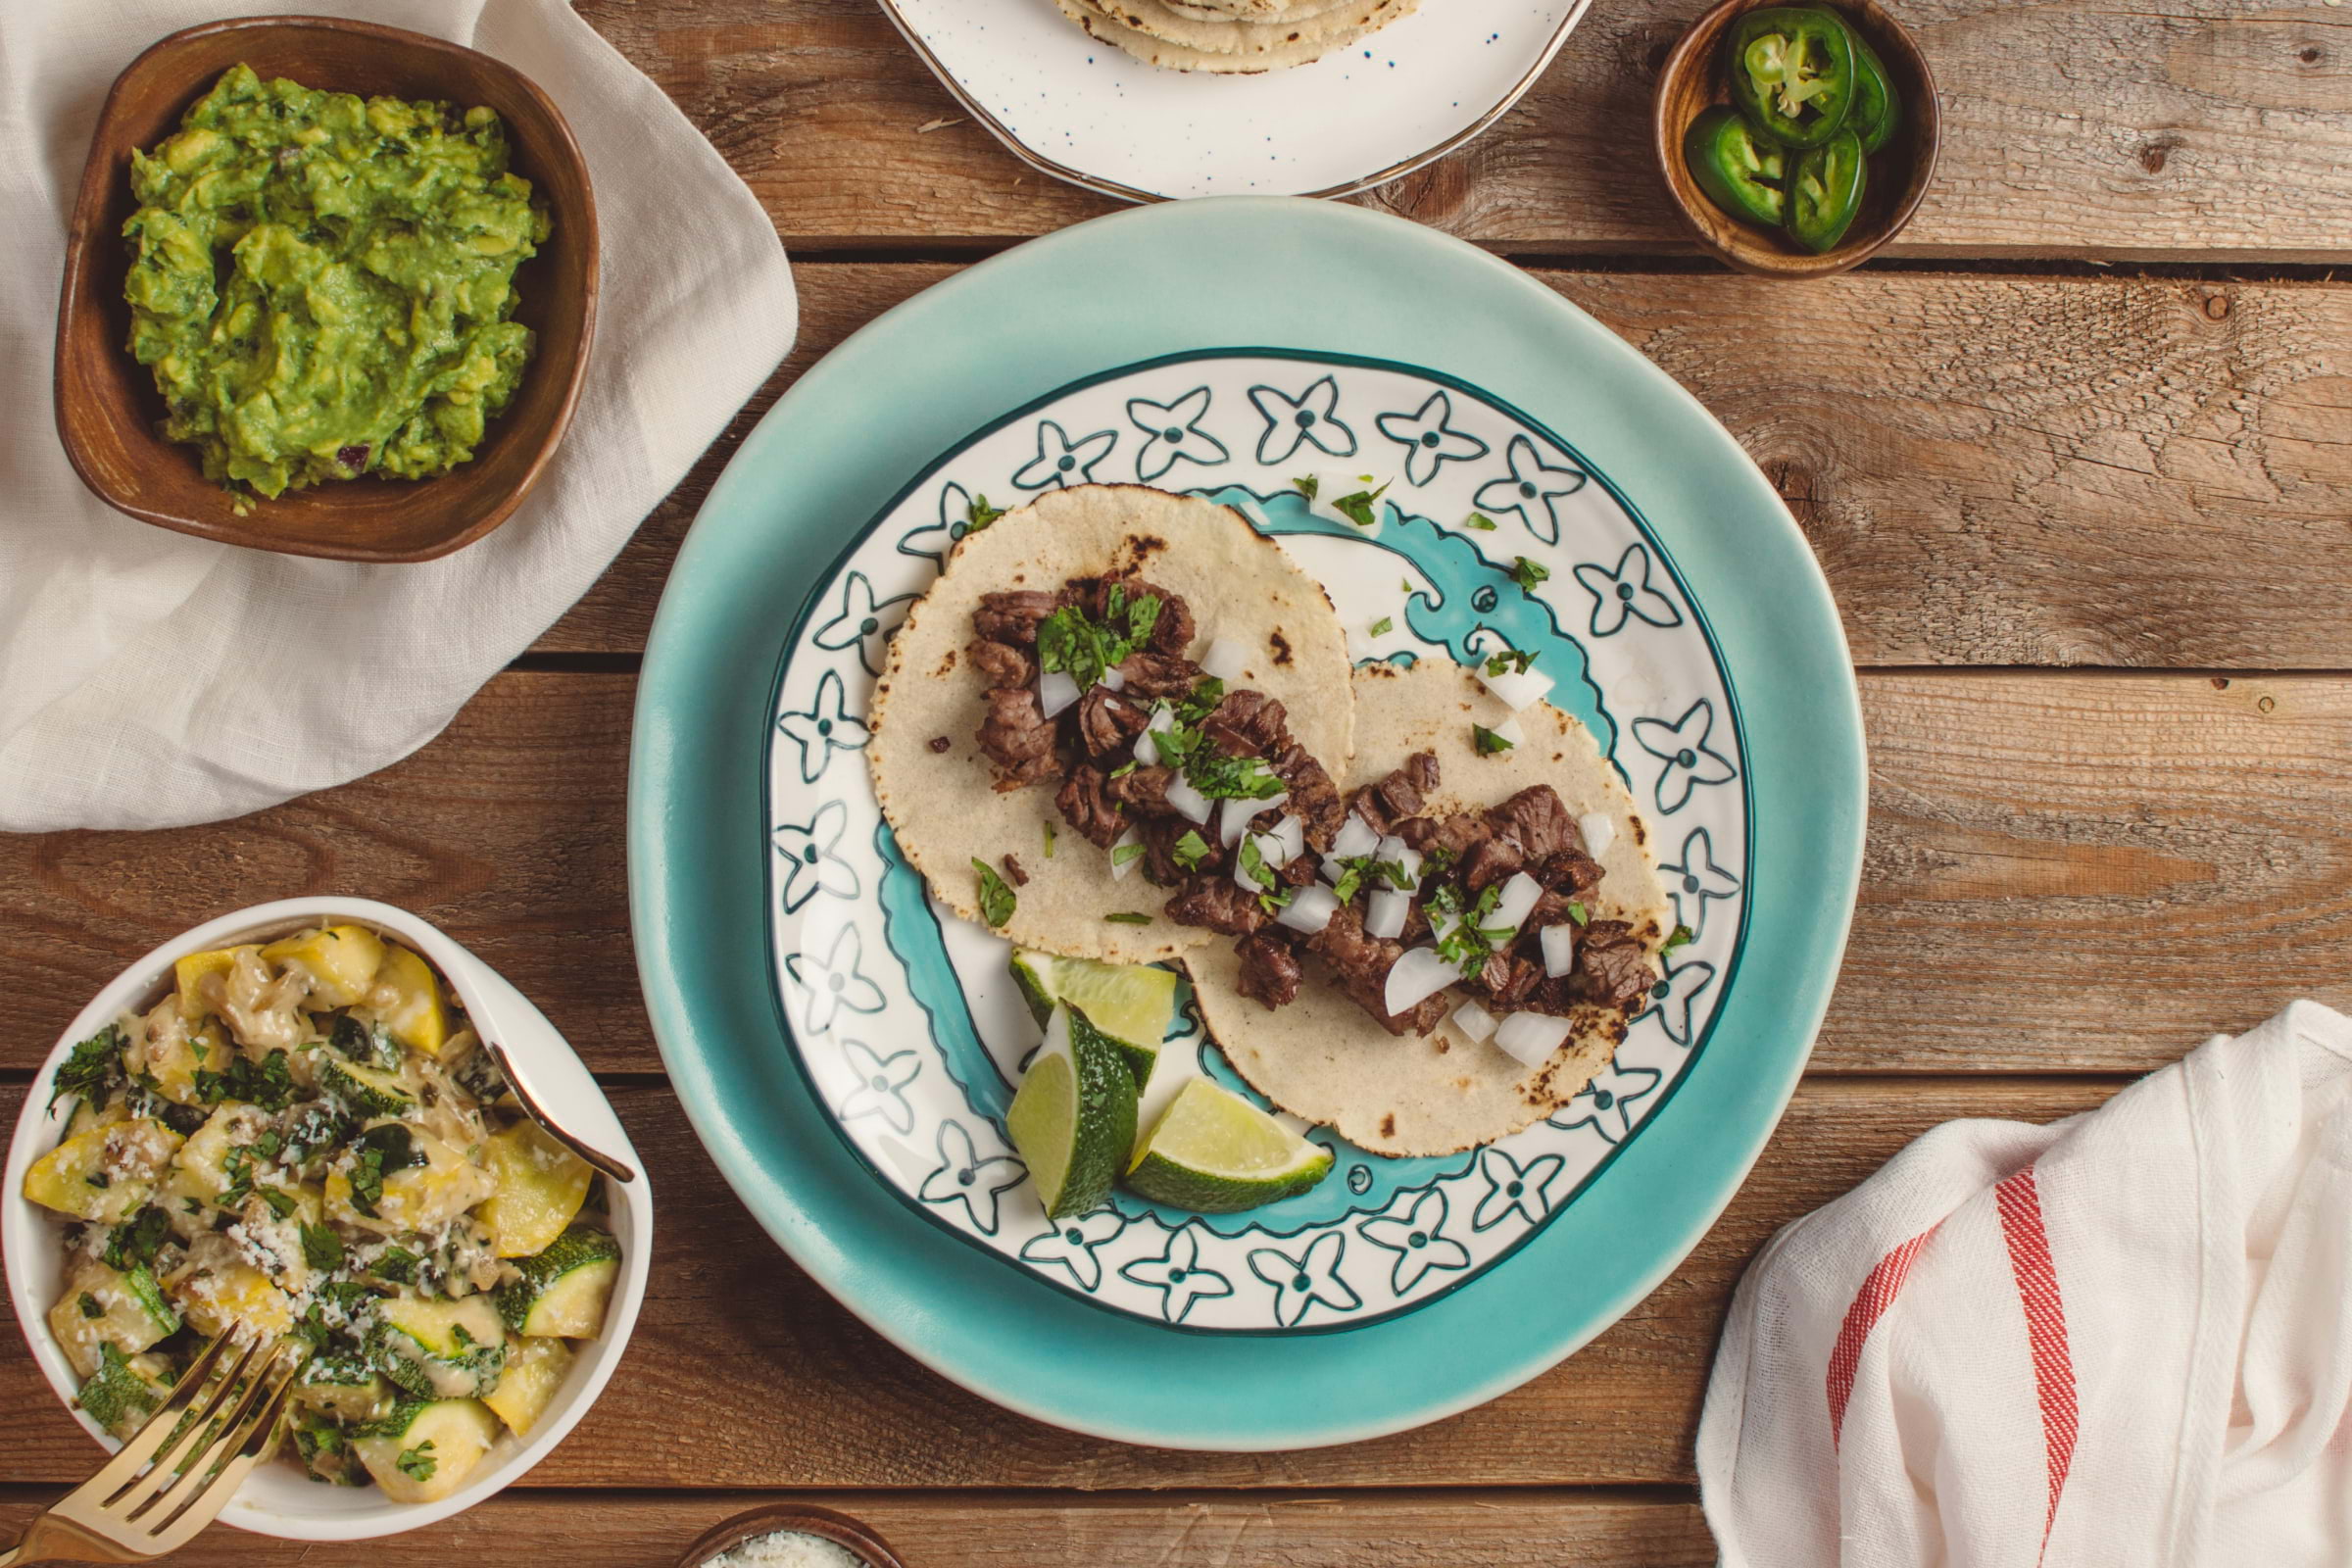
(1229, 48)
(943, 806)
(1320, 1057)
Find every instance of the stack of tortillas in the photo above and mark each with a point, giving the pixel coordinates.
(1232, 36)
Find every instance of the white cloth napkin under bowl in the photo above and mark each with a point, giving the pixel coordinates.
(149, 679)
(2125, 1338)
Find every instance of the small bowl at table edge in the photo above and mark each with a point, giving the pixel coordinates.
(107, 407)
(838, 1528)
(1691, 80)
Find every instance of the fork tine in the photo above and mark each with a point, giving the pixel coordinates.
(196, 1476)
(197, 1421)
(133, 1454)
(255, 1441)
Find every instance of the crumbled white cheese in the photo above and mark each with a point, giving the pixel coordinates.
(788, 1548)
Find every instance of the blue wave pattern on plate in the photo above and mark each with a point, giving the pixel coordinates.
(909, 1029)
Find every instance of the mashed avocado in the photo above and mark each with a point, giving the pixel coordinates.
(322, 284)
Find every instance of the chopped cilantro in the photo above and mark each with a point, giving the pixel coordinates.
(979, 514)
(92, 1069)
(1128, 917)
(1578, 914)
(1231, 778)
(1126, 854)
(1487, 742)
(1480, 522)
(1468, 945)
(1526, 573)
(1357, 508)
(368, 1046)
(266, 1083)
(1383, 626)
(1072, 643)
(1048, 841)
(280, 1202)
(1307, 485)
(1511, 658)
(1190, 851)
(997, 899)
(1351, 877)
(1124, 768)
(419, 1463)
(1680, 937)
(1207, 693)
(376, 1153)
(1253, 863)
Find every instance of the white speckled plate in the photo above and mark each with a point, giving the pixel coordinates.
(1084, 112)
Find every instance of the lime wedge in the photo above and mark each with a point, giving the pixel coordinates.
(1073, 1119)
(1132, 1002)
(1214, 1154)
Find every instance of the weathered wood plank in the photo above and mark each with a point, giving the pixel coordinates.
(2185, 130)
(1473, 1529)
(2065, 872)
(2004, 470)
(787, 1389)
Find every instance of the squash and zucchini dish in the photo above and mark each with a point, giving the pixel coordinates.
(306, 1140)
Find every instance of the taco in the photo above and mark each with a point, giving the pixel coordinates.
(1007, 727)
(1306, 1018)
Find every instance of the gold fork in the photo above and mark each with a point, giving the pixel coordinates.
(210, 1431)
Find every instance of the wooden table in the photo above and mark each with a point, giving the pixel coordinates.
(2078, 459)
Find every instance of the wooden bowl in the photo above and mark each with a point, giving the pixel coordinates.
(1693, 78)
(107, 405)
(834, 1527)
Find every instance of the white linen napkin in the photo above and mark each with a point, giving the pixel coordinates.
(149, 679)
(2123, 1339)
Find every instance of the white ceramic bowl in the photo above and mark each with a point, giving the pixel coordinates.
(276, 1499)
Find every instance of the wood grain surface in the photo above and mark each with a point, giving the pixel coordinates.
(785, 1388)
(1993, 469)
(1520, 1528)
(2066, 873)
(2185, 130)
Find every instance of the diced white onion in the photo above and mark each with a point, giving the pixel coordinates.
(1393, 852)
(1475, 1021)
(1309, 910)
(1147, 750)
(1355, 837)
(1187, 802)
(1119, 867)
(1225, 659)
(1415, 977)
(1530, 1038)
(1559, 949)
(1291, 834)
(1385, 915)
(1509, 730)
(1518, 897)
(1518, 688)
(1056, 691)
(1600, 831)
(1269, 856)
(1112, 679)
(1234, 815)
(1333, 870)
(1162, 719)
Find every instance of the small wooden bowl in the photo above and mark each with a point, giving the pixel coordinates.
(1693, 78)
(107, 405)
(839, 1528)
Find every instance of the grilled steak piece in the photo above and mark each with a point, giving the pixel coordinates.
(1087, 804)
(1012, 617)
(1216, 904)
(1314, 797)
(1269, 970)
(1611, 969)
(1535, 818)
(1159, 835)
(1016, 733)
(1144, 792)
(1248, 723)
(1001, 664)
(1572, 872)
(1159, 675)
(1360, 965)
(1509, 981)
(1455, 835)
(1390, 800)
(1107, 726)
(1492, 860)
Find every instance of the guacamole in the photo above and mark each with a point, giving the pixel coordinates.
(323, 285)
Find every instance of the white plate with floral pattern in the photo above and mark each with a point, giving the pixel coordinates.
(1381, 108)
(906, 1022)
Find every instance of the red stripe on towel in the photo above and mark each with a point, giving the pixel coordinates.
(2020, 1203)
(1870, 1303)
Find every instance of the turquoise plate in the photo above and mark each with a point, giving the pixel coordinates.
(847, 439)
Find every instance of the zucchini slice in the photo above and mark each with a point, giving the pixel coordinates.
(125, 1389)
(104, 1173)
(436, 1348)
(535, 1370)
(102, 1309)
(369, 1091)
(541, 1186)
(426, 1448)
(562, 1291)
(340, 959)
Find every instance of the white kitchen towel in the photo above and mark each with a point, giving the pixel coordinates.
(148, 678)
(2123, 1339)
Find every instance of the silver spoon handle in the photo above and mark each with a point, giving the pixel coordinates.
(620, 1170)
